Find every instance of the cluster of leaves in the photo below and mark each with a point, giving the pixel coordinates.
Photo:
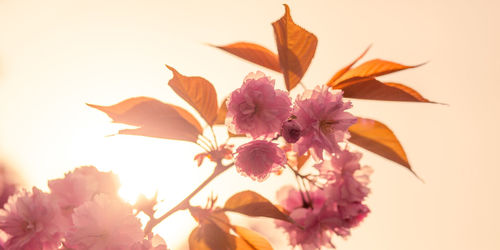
(295, 50)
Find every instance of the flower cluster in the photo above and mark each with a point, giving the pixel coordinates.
(334, 207)
(316, 123)
(82, 211)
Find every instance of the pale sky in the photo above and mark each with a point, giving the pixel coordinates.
(55, 56)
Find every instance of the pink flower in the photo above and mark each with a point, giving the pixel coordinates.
(104, 223)
(307, 210)
(291, 131)
(80, 186)
(322, 116)
(258, 158)
(32, 221)
(150, 243)
(350, 178)
(257, 109)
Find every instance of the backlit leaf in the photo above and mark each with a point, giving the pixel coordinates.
(379, 139)
(372, 68)
(221, 114)
(253, 204)
(341, 72)
(153, 118)
(372, 89)
(253, 53)
(251, 240)
(209, 236)
(196, 91)
(296, 48)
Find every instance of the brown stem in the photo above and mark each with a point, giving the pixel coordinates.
(184, 204)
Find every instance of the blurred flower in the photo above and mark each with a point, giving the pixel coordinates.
(80, 186)
(322, 116)
(32, 221)
(225, 151)
(258, 158)
(291, 131)
(257, 109)
(8, 185)
(104, 223)
(152, 242)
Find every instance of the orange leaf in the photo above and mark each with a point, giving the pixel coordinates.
(296, 48)
(198, 92)
(251, 239)
(221, 114)
(253, 53)
(346, 68)
(153, 118)
(372, 68)
(372, 89)
(379, 139)
(253, 204)
(301, 160)
(210, 237)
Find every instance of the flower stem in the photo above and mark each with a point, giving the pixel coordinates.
(184, 204)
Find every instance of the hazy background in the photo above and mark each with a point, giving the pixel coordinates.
(55, 56)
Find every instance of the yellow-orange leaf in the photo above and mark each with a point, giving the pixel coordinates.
(379, 139)
(251, 240)
(196, 91)
(296, 48)
(253, 204)
(254, 53)
(372, 68)
(221, 114)
(153, 118)
(342, 71)
(372, 89)
(209, 236)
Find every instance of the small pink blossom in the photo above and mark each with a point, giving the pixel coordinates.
(257, 108)
(350, 178)
(307, 210)
(258, 158)
(80, 186)
(104, 223)
(291, 131)
(321, 113)
(152, 242)
(32, 221)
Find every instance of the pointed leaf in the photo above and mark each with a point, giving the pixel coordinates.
(254, 53)
(372, 68)
(296, 48)
(153, 118)
(210, 237)
(221, 114)
(253, 204)
(379, 139)
(196, 91)
(251, 239)
(372, 89)
(346, 68)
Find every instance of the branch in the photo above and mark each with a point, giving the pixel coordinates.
(184, 204)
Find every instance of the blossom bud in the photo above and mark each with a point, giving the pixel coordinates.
(291, 131)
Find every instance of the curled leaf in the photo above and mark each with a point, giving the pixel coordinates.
(196, 91)
(153, 118)
(209, 236)
(252, 204)
(372, 89)
(296, 48)
(251, 239)
(254, 53)
(341, 72)
(221, 114)
(372, 68)
(379, 139)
